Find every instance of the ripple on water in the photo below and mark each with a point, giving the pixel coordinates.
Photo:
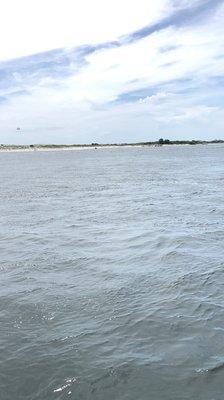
(112, 274)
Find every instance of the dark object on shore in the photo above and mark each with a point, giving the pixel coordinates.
(163, 141)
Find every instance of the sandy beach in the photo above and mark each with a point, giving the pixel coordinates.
(50, 148)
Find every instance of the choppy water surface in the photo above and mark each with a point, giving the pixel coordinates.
(112, 274)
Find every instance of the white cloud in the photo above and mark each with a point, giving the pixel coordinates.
(115, 71)
(156, 98)
(32, 26)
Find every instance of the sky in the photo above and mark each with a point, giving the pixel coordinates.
(82, 71)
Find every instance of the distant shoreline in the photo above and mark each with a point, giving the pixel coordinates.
(57, 147)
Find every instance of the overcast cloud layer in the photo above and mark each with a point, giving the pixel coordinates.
(108, 71)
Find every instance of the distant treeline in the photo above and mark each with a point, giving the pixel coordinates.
(192, 142)
(159, 142)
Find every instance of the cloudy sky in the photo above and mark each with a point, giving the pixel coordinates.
(78, 71)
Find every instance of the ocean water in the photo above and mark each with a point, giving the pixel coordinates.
(112, 274)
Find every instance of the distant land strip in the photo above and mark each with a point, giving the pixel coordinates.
(160, 142)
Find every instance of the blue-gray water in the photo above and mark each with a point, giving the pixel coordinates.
(112, 274)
